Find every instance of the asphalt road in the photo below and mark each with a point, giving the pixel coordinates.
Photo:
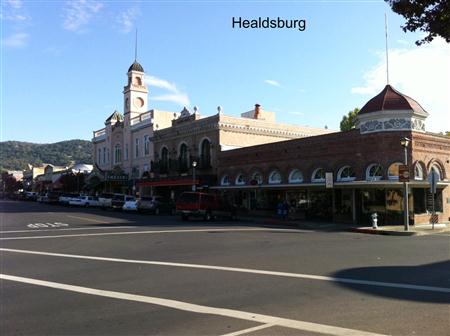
(68, 271)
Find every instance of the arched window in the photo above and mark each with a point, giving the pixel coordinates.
(275, 177)
(164, 162)
(225, 180)
(438, 171)
(418, 172)
(137, 81)
(296, 176)
(183, 159)
(240, 180)
(117, 154)
(346, 173)
(318, 175)
(257, 177)
(205, 154)
(393, 171)
(374, 172)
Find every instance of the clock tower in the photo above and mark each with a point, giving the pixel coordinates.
(135, 92)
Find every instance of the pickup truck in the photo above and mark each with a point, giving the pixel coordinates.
(207, 206)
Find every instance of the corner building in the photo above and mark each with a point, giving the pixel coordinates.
(152, 152)
(362, 166)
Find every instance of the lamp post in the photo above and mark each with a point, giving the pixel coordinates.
(405, 143)
(194, 164)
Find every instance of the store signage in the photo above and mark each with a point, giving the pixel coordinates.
(329, 180)
(121, 177)
(403, 173)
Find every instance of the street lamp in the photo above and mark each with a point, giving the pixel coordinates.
(405, 143)
(194, 164)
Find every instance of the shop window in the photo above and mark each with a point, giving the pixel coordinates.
(420, 200)
(257, 178)
(318, 175)
(418, 172)
(275, 177)
(346, 173)
(374, 172)
(225, 180)
(296, 176)
(240, 180)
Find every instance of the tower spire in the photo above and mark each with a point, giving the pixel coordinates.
(135, 47)
(387, 50)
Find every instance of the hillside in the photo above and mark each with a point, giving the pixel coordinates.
(15, 155)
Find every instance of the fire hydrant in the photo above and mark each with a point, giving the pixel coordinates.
(374, 220)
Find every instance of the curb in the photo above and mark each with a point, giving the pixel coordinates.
(383, 232)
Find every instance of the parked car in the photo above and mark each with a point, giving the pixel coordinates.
(130, 204)
(53, 197)
(105, 200)
(31, 195)
(198, 204)
(84, 201)
(42, 198)
(65, 198)
(118, 201)
(156, 205)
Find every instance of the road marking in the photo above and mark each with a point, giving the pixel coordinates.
(185, 306)
(249, 330)
(71, 229)
(88, 219)
(240, 270)
(147, 232)
(46, 225)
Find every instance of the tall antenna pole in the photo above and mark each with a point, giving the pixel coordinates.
(135, 47)
(387, 53)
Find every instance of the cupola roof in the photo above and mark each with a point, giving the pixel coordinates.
(136, 67)
(390, 100)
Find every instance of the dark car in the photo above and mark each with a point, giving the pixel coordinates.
(198, 204)
(156, 205)
(118, 201)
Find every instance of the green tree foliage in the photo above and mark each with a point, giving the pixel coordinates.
(15, 155)
(430, 16)
(348, 121)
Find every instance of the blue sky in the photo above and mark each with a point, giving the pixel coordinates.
(64, 63)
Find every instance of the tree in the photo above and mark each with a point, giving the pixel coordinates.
(430, 16)
(348, 121)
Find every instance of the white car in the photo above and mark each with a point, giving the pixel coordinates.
(66, 198)
(131, 204)
(85, 201)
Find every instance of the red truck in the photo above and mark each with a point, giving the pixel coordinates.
(208, 206)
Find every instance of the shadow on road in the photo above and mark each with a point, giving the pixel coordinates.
(430, 275)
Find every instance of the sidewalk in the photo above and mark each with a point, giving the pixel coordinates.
(399, 230)
(394, 230)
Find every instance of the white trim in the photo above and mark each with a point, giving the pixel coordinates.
(223, 178)
(243, 180)
(393, 177)
(271, 180)
(344, 179)
(374, 178)
(290, 180)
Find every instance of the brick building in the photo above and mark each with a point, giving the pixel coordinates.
(362, 166)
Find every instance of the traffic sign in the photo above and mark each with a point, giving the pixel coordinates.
(403, 173)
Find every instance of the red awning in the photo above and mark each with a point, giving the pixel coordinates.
(167, 183)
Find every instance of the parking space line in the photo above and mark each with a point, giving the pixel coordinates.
(146, 232)
(240, 270)
(249, 330)
(88, 219)
(71, 229)
(185, 306)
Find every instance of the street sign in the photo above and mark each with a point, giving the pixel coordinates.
(433, 179)
(328, 180)
(403, 173)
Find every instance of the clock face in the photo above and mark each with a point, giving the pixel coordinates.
(138, 102)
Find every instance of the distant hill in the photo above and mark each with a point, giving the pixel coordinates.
(15, 155)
